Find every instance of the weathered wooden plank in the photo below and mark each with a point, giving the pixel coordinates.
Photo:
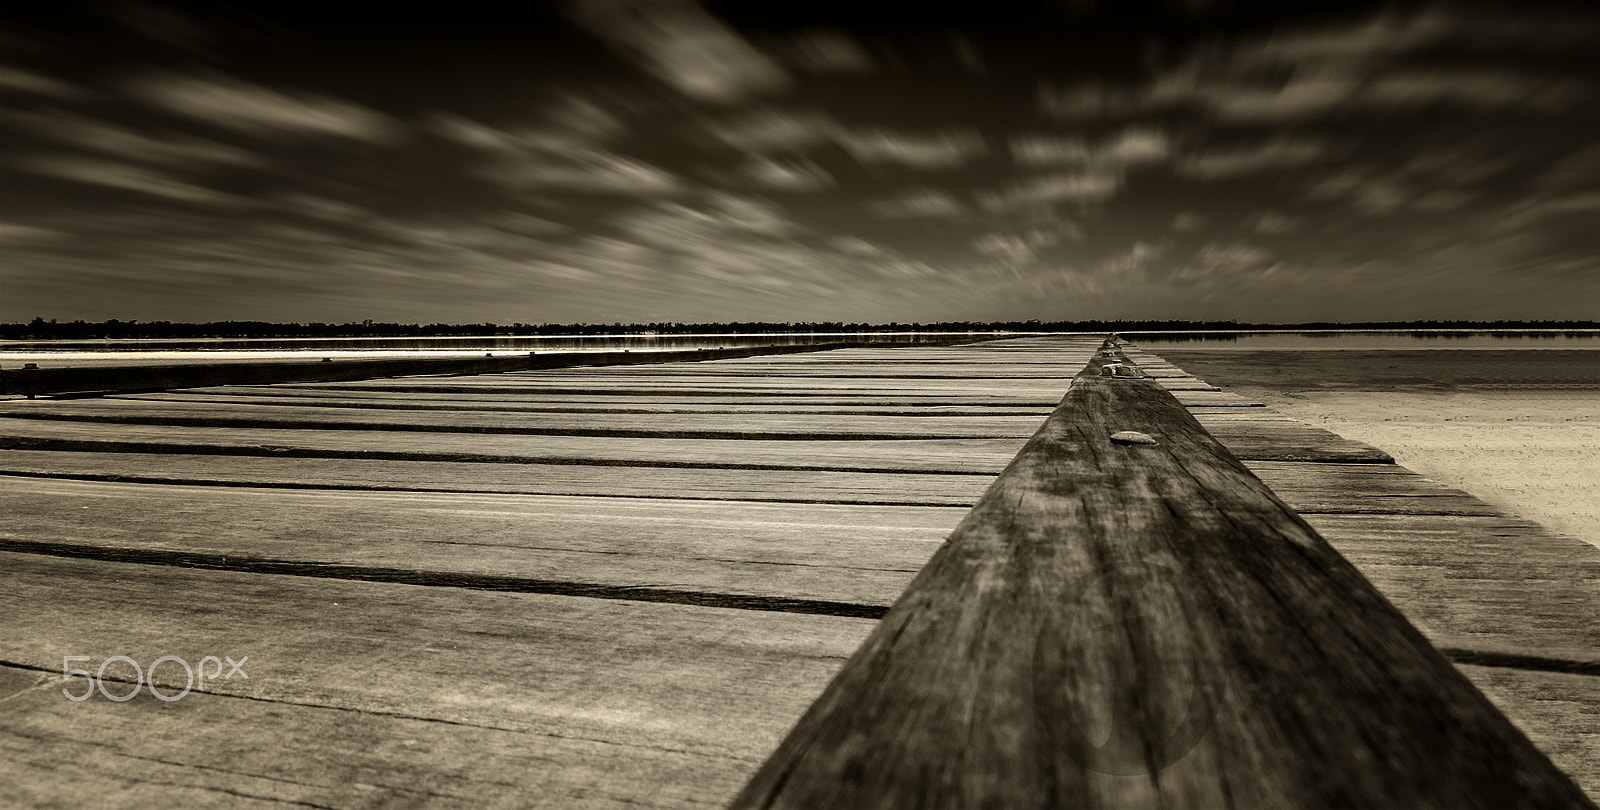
(430, 391)
(1184, 384)
(1363, 489)
(531, 383)
(1207, 413)
(1215, 399)
(1558, 711)
(671, 682)
(697, 483)
(1292, 441)
(977, 456)
(642, 679)
(944, 358)
(222, 751)
(862, 407)
(1480, 582)
(870, 453)
(1389, 369)
(1061, 369)
(850, 554)
(146, 377)
(1251, 665)
(706, 425)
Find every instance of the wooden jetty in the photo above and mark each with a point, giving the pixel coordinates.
(728, 581)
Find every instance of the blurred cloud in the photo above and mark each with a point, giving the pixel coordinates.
(1277, 153)
(569, 122)
(1273, 223)
(1006, 247)
(682, 44)
(127, 143)
(1391, 31)
(930, 151)
(25, 81)
(234, 104)
(1133, 146)
(672, 224)
(1089, 100)
(1473, 87)
(826, 52)
(1296, 75)
(12, 233)
(787, 174)
(1052, 188)
(1368, 192)
(967, 54)
(1442, 201)
(1224, 261)
(1533, 211)
(774, 130)
(854, 245)
(120, 176)
(323, 208)
(592, 171)
(162, 23)
(566, 155)
(916, 203)
(1049, 150)
(1377, 163)
(1308, 91)
(1580, 168)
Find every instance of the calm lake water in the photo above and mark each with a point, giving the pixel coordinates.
(548, 343)
(75, 353)
(1430, 339)
(62, 353)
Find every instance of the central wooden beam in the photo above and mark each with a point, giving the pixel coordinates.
(1137, 623)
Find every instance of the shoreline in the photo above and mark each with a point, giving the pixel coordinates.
(1518, 429)
(1533, 454)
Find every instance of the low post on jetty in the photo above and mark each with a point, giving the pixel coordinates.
(1130, 618)
(978, 575)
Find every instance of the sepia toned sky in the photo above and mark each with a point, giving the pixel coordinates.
(660, 160)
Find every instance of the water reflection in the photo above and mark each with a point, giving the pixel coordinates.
(560, 343)
(1414, 339)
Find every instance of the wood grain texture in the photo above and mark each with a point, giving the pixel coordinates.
(1560, 711)
(1363, 489)
(1140, 626)
(623, 686)
(427, 392)
(621, 481)
(1481, 582)
(707, 425)
(148, 377)
(855, 554)
(975, 456)
(210, 754)
(533, 405)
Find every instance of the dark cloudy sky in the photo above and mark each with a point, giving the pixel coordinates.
(657, 160)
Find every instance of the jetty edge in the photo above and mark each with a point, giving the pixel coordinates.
(1124, 623)
(89, 381)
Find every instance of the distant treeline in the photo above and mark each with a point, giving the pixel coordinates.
(41, 329)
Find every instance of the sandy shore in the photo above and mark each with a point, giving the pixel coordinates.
(1520, 430)
(1532, 453)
